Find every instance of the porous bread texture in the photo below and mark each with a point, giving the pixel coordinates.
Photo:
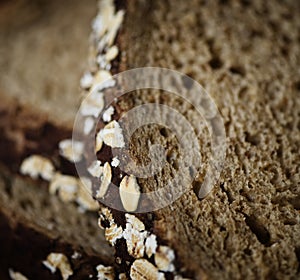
(247, 56)
(43, 54)
(30, 201)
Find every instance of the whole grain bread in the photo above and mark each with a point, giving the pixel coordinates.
(43, 54)
(41, 43)
(246, 55)
(35, 224)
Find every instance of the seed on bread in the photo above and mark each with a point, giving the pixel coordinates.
(164, 257)
(93, 103)
(99, 142)
(36, 165)
(104, 59)
(113, 233)
(143, 269)
(88, 125)
(115, 162)
(150, 245)
(112, 135)
(108, 113)
(86, 80)
(136, 223)
(129, 193)
(179, 277)
(135, 235)
(66, 186)
(71, 150)
(105, 272)
(105, 181)
(84, 196)
(95, 169)
(122, 276)
(111, 53)
(16, 275)
(59, 261)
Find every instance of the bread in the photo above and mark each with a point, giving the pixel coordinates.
(42, 42)
(246, 56)
(35, 224)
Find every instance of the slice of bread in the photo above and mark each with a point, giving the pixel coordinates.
(43, 55)
(34, 224)
(246, 55)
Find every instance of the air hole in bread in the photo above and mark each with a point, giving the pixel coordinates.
(215, 63)
(248, 252)
(237, 70)
(295, 202)
(262, 234)
(290, 222)
(164, 132)
(196, 186)
(252, 139)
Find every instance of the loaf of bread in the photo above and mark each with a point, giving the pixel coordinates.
(246, 56)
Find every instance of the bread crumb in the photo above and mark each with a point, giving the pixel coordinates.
(95, 169)
(71, 150)
(108, 113)
(164, 258)
(112, 135)
(36, 165)
(59, 261)
(16, 275)
(105, 272)
(129, 193)
(143, 269)
(105, 181)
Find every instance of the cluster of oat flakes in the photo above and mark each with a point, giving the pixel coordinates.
(141, 245)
